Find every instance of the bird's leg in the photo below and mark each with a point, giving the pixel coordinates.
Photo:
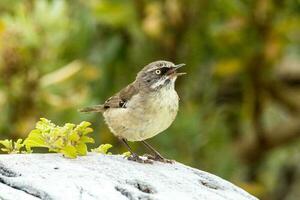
(157, 155)
(133, 156)
(128, 147)
(148, 146)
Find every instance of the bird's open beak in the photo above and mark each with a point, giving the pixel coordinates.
(177, 67)
(173, 71)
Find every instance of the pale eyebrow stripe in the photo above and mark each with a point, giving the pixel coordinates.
(158, 67)
(149, 70)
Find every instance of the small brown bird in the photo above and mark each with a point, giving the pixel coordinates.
(144, 108)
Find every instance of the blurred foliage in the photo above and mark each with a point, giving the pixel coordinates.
(239, 111)
(11, 147)
(70, 140)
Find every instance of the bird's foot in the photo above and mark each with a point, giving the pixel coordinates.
(158, 158)
(136, 158)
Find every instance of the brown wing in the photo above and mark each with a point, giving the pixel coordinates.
(119, 100)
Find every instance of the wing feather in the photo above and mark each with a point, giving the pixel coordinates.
(119, 100)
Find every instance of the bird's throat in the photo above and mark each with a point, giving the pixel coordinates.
(164, 82)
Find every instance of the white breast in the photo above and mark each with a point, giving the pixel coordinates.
(145, 116)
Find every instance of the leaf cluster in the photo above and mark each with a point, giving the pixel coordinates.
(71, 140)
(12, 147)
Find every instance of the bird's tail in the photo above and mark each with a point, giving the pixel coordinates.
(97, 108)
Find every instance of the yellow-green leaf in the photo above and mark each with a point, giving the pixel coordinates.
(35, 139)
(126, 154)
(18, 144)
(81, 149)
(69, 151)
(7, 144)
(59, 143)
(103, 148)
(74, 136)
(4, 150)
(86, 139)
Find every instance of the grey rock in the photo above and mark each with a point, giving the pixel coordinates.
(108, 177)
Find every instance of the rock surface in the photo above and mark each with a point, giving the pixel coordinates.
(108, 177)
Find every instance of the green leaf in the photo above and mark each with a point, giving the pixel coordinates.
(74, 136)
(69, 126)
(126, 154)
(18, 144)
(83, 128)
(4, 150)
(81, 149)
(84, 124)
(35, 139)
(7, 144)
(87, 131)
(59, 143)
(69, 151)
(103, 148)
(44, 124)
(86, 139)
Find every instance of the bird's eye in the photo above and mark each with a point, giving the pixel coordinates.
(157, 72)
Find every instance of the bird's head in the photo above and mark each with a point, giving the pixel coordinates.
(159, 74)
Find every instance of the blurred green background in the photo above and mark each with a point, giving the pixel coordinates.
(239, 113)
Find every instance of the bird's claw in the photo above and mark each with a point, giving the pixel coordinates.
(138, 159)
(158, 158)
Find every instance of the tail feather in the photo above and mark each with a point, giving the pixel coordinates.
(97, 108)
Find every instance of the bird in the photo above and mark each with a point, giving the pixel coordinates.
(144, 108)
